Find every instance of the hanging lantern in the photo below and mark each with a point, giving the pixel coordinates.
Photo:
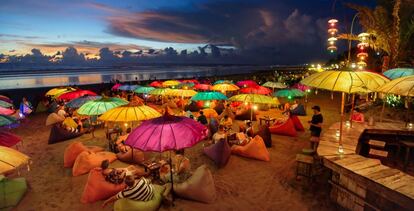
(362, 53)
(332, 32)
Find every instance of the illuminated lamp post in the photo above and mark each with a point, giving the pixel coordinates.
(332, 32)
(362, 46)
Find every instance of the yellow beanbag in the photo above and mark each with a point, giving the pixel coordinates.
(254, 149)
(88, 160)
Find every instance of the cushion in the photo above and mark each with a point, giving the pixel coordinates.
(97, 188)
(11, 192)
(88, 160)
(135, 156)
(296, 122)
(59, 134)
(287, 128)
(254, 149)
(219, 152)
(73, 150)
(199, 187)
(299, 111)
(246, 115)
(264, 132)
(151, 205)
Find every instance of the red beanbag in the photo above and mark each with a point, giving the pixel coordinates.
(254, 149)
(97, 188)
(296, 122)
(73, 150)
(88, 160)
(287, 128)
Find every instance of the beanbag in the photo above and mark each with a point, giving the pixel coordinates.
(151, 205)
(299, 111)
(246, 115)
(296, 122)
(73, 150)
(59, 134)
(199, 187)
(254, 149)
(131, 156)
(88, 160)
(11, 191)
(8, 139)
(286, 129)
(219, 152)
(97, 188)
(264, 132)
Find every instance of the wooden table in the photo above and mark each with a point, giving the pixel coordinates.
(267, 120)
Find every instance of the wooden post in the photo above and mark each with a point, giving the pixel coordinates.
(352, 109)
(383, 109)
(342, 118)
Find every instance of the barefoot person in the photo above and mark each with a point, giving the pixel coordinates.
(315, 127)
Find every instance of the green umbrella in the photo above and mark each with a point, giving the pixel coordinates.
(6, 120)
(5, 104)
(144, 89)
(289, 93)
(223, 82)
(160, 91)
(209, 96)
(98, 107)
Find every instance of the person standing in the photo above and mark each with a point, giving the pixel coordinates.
(202, 118)
(315, 127)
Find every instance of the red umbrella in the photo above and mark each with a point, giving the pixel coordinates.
(156, 84)
(75, 94)
(8, 139)
(256, 90)
(246, 83)
(116, 86)
(5, 99)
(202, 87)
(190, 81)
(6, 111)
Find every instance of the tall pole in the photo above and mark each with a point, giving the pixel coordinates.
(352, 109)
(350, 40)
(342, 119)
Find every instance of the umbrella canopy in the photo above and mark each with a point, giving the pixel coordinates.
(345, 81)
(167, 133)
(223, 82)
(246, 83)
(129, 114)
(58, 91)
(186, 85)
(274, 85)
(143, 89)
(289, 93)
(256, 90)
(203, 96)
(170, 83)
(225, 87)
(6, 111)
(255, 98)
(127, 87)
(54, 118)
(75, 94)
(182, 92)
(98, 107)
(159, 91)
(11, 159)
(78, 102)
(156, 84)
(5, 104)
(116, 86)
(401, 86)
(399, 72)
(194, 81)
(6, 120)
(301, 87)
(6, 99)
(209, 112)
(8, 139)
(202, 87)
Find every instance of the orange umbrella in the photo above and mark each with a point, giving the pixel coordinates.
(209, 112)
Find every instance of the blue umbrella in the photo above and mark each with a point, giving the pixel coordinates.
(128, 87)
(209, 96)
(78, 102)
(399, 72)
(143, 89)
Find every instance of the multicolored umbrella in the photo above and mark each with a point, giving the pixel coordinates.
(255, 99)
(223, 82)
(289, 93)
(202, 87)
(203, 96)
(98, 107)
(6, 111)
(225, 87)
(143, 89)
(274, 85)
(246, 83)
(156, 84)
(401, 86)
(78, 102)
(256, 90)
(128, 87)
(182, 92)
(75, 94)
(160, 91)
(11, 159)
(6, 120)
(399, 72)
(116, 86)
(5, 104)
(129, 114)
(8, 139)
(58, 91)
(170, 83)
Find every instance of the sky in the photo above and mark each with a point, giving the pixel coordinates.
(288, 30)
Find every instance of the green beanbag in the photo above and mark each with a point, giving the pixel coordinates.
(11, 192)
(151, 205)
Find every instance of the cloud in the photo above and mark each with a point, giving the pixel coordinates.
(14, 36)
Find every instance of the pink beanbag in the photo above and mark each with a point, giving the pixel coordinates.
(74, 149)
(219, 152)
(256, 149)
(287, 128)
(97, 188)
(88, 160)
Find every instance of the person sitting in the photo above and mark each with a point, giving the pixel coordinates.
(26, 107)
(286, 107)
(61, 111)
(227, 122)
(117, 175)
(357, 116)
(249, 129)
(137, 190)
(202, 118)
(220, 134)
(181, 168)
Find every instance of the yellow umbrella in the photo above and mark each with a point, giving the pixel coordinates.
(170, 83)
(255, 99)
(11, 159)
(182, 92)
(129, 114)
(160, 91)
(225, 87)
(55, 92)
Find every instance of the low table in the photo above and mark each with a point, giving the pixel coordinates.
(267, 120)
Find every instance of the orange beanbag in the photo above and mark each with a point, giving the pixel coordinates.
(287, 128)
(97, 188)
(74, 149)
(88, 160)
(131, 156)
(254, 149)
(296, 122)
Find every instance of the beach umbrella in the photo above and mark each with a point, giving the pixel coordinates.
(182, 92)
(58, 91)
(11, 159)
(143, 89)
(54, 118)
(6, 111)
(75, 94)
(98, 107)
(209, 112)
(246, 83)
(116, 86)
(159, 91)
(274, 85)
(170, 83)
(186, 85)
(6, 120)
(194, 81)
(302, 87)
(5, 104)
(8, 139)
(225, 87)
(204, 96)
(129, 114)
(5, 99)
(256, 90)
(156, 84)
(223, 82)
(254, 99)
(128, 87)
(78, 102)
(202, 87)
(289, 93)
(399, 72)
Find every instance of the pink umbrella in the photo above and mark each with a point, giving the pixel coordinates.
(8, 139)
(116, 86)
(246, 83)
(256, 90)
(301, 87)
(75, 94)
(202, 87)
(6, 111)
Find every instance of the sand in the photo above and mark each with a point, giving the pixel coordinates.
(243, 184)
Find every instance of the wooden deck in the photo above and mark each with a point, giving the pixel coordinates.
(389, 183)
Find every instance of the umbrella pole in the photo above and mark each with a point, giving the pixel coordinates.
(382, 110)
(172, 181)
(352, 110)
(342, 119)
